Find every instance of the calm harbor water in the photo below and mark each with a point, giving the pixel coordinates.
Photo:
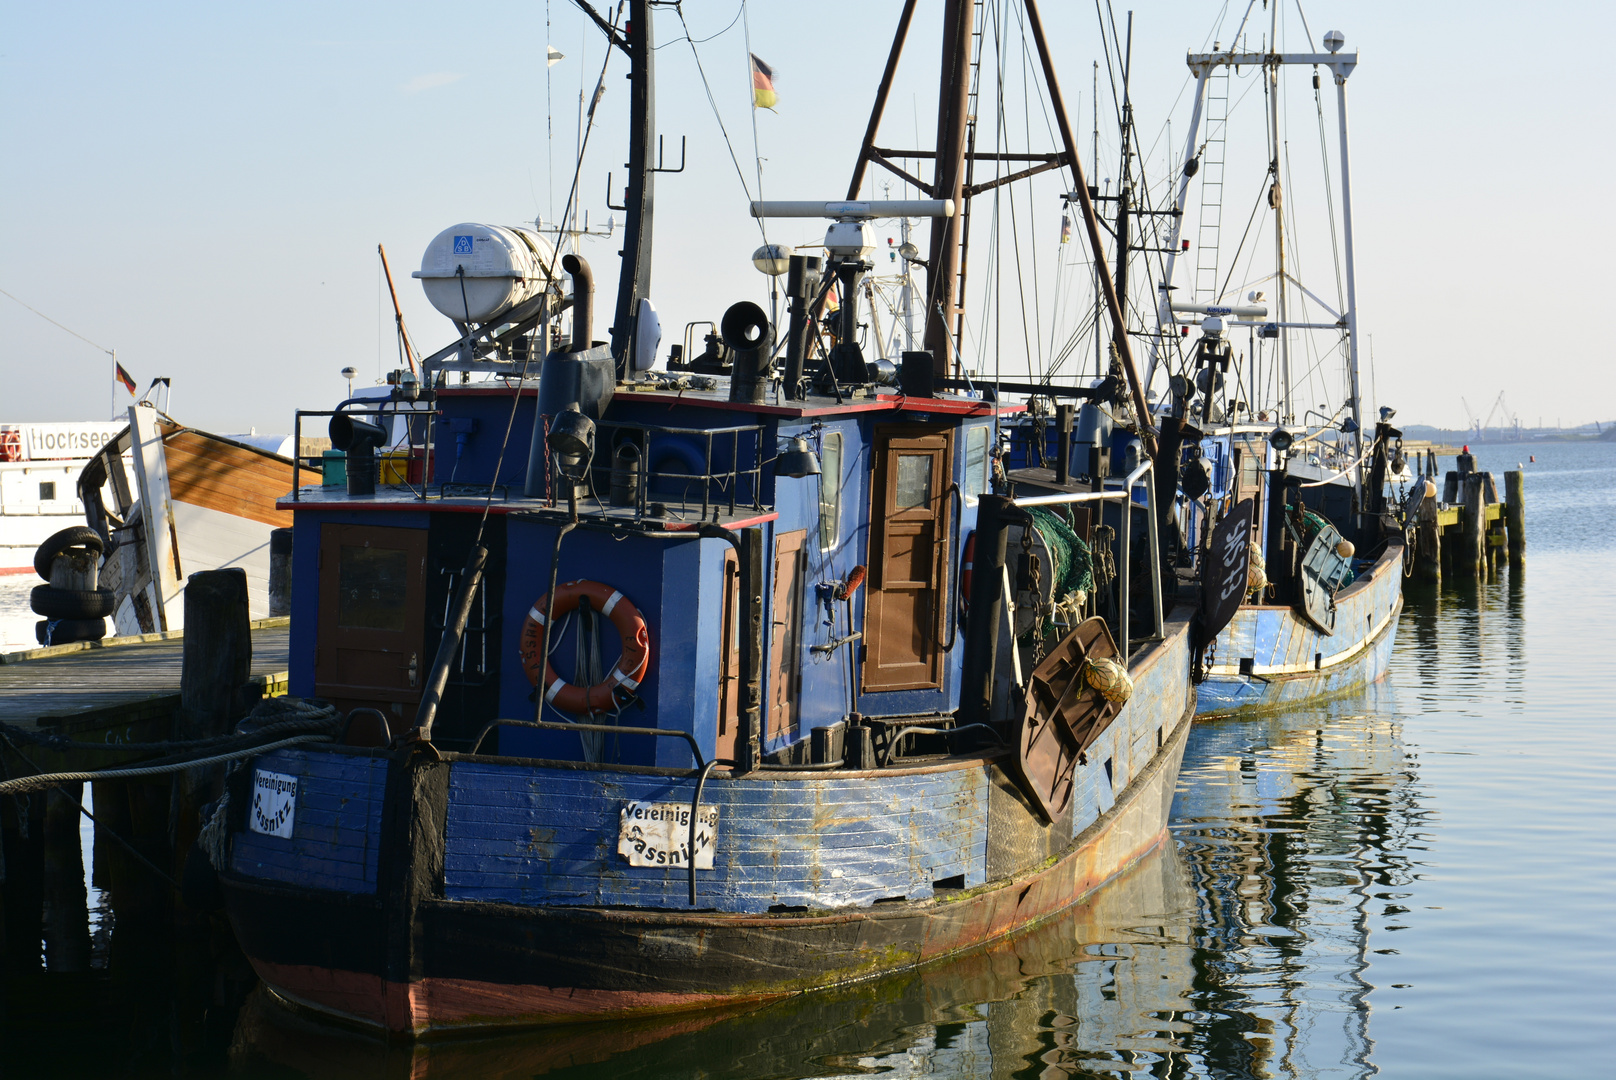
(1416, 880)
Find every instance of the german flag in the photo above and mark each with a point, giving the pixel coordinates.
(124, 377)
(763, 95)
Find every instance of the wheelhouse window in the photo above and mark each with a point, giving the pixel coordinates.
(830, 490)
(371, 588)
(976, 462)
(914, 481)
(47, 490)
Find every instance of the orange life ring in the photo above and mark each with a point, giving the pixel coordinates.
(627, 672)
(967, 564)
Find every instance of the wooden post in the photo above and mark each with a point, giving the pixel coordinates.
(1428, 540)
(217, 662)
(22, 827)
(1515, 516)
(66, 915)
(280, 573)
(752, 651)
(214, 673)
(1472, 556)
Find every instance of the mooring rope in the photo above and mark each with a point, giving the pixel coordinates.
(44, 780)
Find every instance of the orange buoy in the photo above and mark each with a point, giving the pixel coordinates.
(627, 672)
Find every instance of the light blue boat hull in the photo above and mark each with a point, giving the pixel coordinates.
(1269, 657)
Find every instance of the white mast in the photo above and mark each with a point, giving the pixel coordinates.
(1276, 199)
(1333, 41)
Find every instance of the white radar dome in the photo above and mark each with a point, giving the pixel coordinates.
(476, 273)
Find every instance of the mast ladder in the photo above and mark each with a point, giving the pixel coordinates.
(1212, 161)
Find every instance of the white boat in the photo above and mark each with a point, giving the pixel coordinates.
(39, 470)
(215, 498)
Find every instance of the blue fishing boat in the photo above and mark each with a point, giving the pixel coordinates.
(664, 688)
(1316, 485)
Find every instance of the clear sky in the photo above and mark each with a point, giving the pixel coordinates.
(202, 186)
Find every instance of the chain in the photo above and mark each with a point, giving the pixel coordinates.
(1105, 565)
(1035, 581)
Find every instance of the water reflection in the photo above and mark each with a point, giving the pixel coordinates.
(1094, 993)
(1302, 834)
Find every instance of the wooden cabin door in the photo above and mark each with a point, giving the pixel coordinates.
(729, 661)
(908, 558)
(372, 619)
(785, 644)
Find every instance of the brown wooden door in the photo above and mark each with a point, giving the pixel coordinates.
(372, 618)
(729, 661)
(908, 559)
(785, 646)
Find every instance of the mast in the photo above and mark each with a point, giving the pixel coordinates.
(1125, 178)
(942, 301)
(634, 280)
(1276, 199)
(1333, 42)
(942, 293)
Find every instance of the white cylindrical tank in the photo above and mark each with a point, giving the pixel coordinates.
(499, 266)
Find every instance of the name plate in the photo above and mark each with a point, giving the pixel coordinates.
(658, 834)
(274, 804)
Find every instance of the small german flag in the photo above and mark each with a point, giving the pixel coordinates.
(763, 95)
(124, 377)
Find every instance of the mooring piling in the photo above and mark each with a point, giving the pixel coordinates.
(1515, 516)
(66, 915)
(1473, 526)
(1428, 539)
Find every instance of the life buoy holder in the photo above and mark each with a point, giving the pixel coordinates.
(967, 564)
(630, 666)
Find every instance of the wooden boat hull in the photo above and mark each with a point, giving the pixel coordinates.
(1269, 657)
(1019, 975)
(557, 928)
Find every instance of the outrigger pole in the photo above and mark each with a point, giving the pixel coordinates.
(949, 183)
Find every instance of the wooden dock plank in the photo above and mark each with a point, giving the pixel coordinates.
(70, 684)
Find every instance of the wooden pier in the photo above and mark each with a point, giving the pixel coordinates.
(1465, 527)
(58, 705)
(117, 690)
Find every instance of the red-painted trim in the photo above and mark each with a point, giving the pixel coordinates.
(15, 570)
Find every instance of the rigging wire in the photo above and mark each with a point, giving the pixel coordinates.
(702, 41)
(713, 103)
(549, 276)
(757, 153)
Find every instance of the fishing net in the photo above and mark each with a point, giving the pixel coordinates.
(1256, 570)
(1074, 564)
(1072, 576)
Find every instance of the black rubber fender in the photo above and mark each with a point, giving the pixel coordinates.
(54, 603)
(67, 631)
(76, 536)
